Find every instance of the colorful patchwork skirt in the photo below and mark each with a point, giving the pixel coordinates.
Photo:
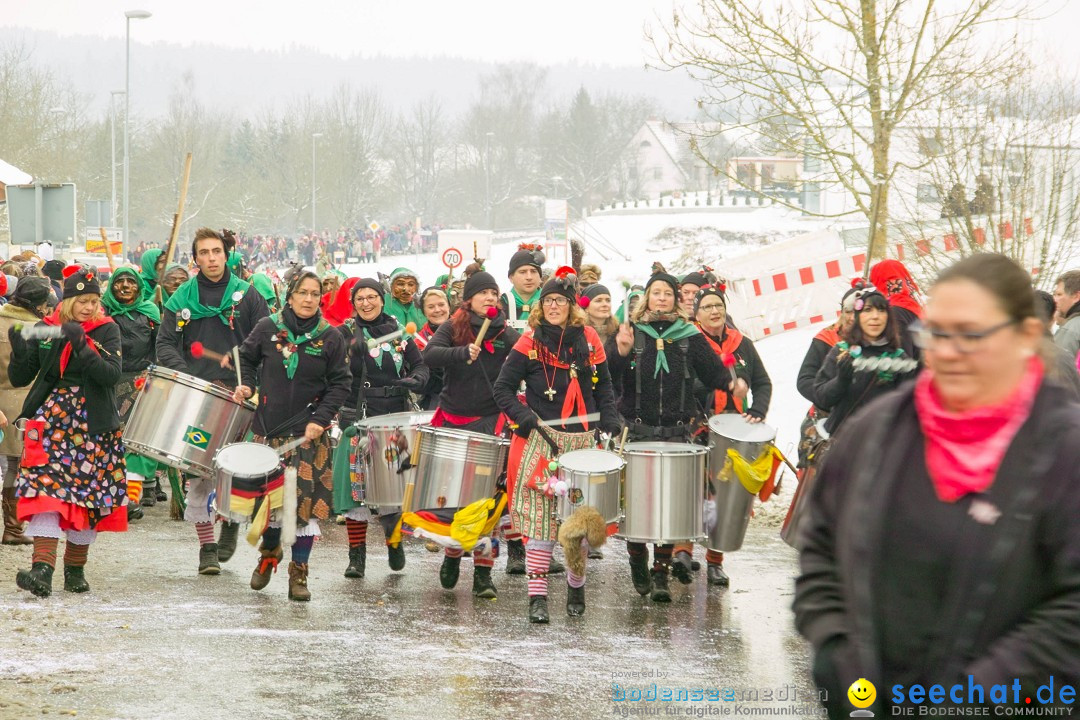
(314, 475)
(533, 513)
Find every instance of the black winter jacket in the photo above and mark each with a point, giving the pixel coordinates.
(841, 392)
(468, 389)
(385, 390)
(138, 335)
(881, 596)
(320, 386)
(95, 373)
(820, 346)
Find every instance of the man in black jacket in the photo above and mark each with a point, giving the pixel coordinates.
(218, 310)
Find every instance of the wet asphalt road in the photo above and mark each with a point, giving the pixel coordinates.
(153, 639)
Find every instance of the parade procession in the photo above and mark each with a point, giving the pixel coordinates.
(750, 388)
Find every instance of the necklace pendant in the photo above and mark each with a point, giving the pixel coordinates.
(550, 392)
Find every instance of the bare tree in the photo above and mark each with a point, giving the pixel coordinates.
(356, 127)
(833, 80)
(419, 159)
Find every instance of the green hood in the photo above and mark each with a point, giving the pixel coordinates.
(142, 304)
(148, 276)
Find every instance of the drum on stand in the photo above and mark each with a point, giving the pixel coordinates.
(455, 468)
(245, 471)
(593, 478)
(662, 502)
(182, 421)
(382, 459)
(728, 503)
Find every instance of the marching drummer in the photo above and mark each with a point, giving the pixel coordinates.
(710, 315)
(467, 400)
(386, 366)
(67, 486)
(217, 310)
(525, 267)
(563, 365)
(655, 360)
(138, 319)
(436, 307)
(297, 361)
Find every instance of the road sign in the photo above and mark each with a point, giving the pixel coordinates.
(40, 213)
(451, 258)
(374, 226)
(95, 246)
(472, 243)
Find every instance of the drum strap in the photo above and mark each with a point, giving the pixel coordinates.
(639, 350)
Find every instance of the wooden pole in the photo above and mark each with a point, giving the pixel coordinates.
(108, 250)
(177, 219)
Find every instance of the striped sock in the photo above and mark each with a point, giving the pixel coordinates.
(45, 550)
(134, 487)
(453, 552)
(357, 532)
(481, 559)
(537, 562)
(574, 581)
(712, 557)
(301, 549)
(75, 554)
(205, 531)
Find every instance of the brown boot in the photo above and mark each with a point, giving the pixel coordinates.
(298, 589)
(13, 529)
(267, 566)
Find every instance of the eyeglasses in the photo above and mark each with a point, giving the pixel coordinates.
(965, 343)
(556, 300)
(307, 294)
(367, 299)
(711, 308)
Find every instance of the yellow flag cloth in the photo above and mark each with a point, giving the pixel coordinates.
(752, 475)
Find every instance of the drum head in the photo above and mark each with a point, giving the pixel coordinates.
(665, 448)
(247, 459)
(394, 420)
(591, 461)
(734, 427)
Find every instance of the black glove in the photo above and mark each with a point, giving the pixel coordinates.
(18, 342)
(74, 334)
(614, 429)
(526, 426)
(845, 368)
(410, 384)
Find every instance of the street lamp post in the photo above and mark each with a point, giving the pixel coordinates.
(112, 143)
(130, 15)
(487, 180)
(314, 137)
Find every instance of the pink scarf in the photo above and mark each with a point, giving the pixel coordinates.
(964, 450)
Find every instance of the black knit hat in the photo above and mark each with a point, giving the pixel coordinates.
(664, 278)
(706, 292)
(696, 279)
(370, 284)
(80, 280)
(54, 270)
(595, 289)
(479, 281)
(30, 292)
(563, 282)
(527, 255)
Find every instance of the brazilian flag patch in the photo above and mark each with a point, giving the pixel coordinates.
(197, 437)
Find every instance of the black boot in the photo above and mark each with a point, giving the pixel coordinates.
(75, 580)
(38, 579)
(149, 496)
(681, 567)
(208, 559)
(159, 494)
(595, 554)
(660, 592)
(134, 512)
(396, 555)
(717, 576)
(226, 544)
(450, 571)
(538, 609)
(515, 557)
(639, 573)
(575, 601)
(482, 586)
(357, 562)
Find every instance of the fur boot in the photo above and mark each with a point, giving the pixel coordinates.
(587, 523)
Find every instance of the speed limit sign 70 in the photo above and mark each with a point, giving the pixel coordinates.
(451, 258)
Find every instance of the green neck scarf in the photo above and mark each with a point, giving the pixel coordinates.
(186, 297)
(520, 302)
(679, 330)
(289, 350)
(142, 304)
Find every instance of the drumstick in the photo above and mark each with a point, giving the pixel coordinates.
(729, 362)
(622, 440)
(581, 419)
(490, 314)
(291, 445)
(409, 329)
(199, 351)
(236, 364)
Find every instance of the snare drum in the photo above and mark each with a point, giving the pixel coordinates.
(245, 471)
(183, 421)
(456, 467)
(729, 516)
(382, 462)
(665, 485)
(594, 478)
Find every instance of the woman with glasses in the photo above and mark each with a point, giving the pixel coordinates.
(942, 546)
(866, 364)
(436, 306)
(297, 362)
(564, 367)
(386, 367)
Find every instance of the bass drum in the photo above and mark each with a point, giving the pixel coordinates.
(665, 487)
(245, 471)
(455, 468)
(383, 458)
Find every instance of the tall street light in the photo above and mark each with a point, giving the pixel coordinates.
(487, 179)
(130, 15)
(112, 142)
(314, 137)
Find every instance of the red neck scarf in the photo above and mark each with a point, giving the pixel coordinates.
(964, 450)
(732, 339)
(65, 354)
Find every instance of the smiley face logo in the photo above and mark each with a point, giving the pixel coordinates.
(862, 693)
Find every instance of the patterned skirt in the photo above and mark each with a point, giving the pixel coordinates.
(81, 476)
(314, 475)
(534, 513)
